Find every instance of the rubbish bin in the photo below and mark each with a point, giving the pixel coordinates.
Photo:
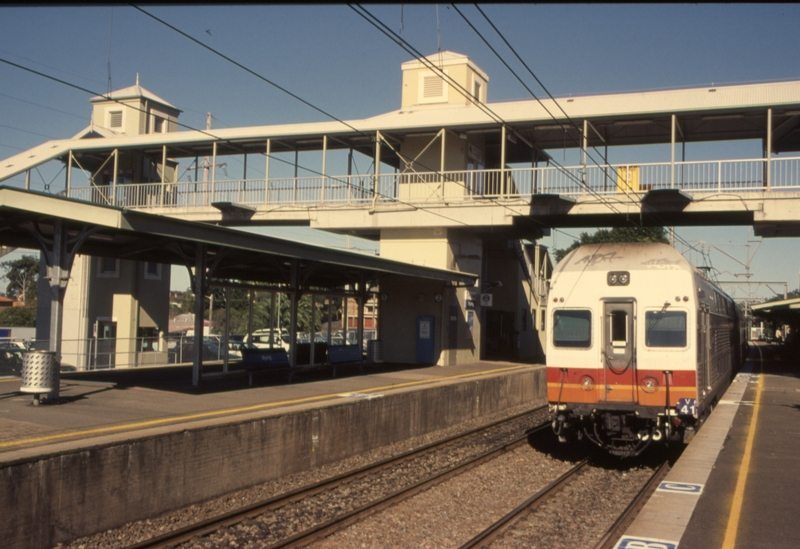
(375, 350)
(41, 374)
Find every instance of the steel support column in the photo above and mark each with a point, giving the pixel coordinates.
(199, 301)
(377, 170)
(114, 178)
(324, 168)
(584, 144)
(295, 296)
(502, 161)
(673, 122)
(769, 148)
(213, 171)
(69, 173)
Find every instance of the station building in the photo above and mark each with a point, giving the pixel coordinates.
(500, 318)
(117, 310)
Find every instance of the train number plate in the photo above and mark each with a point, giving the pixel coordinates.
(687, 407)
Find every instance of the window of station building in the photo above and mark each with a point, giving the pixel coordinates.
(114, 119)
(572, 328)
(108, 267)
(158, 124)
(147, 339)
(152, 271)
(665, 328)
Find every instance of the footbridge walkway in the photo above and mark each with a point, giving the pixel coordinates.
(447, 161)
(726, 192)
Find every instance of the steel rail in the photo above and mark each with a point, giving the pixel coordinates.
(613, 534)
(329, 527)
(497, 529)
(205, 527)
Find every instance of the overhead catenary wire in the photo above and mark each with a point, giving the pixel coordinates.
(211, 135)
(541, 103)
(383, 28)
(406, 160)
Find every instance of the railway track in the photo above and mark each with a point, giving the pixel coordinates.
(506, 523)
(342, 520)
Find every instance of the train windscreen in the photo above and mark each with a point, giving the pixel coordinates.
(572, 328)
(665, 329)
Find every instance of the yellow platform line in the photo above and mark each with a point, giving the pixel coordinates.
(744, 469)
(240, 410)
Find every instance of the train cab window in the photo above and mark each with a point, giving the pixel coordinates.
(619, 328)
(665, 329)
(572, 328)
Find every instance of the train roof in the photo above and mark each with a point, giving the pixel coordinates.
(630, 256)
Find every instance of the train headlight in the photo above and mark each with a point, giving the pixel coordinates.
(649, 384)
(618, 278)
(587, 383)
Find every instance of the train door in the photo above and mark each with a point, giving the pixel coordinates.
(703, 349)
(619, 351)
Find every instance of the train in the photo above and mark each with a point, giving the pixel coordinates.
(640, 346)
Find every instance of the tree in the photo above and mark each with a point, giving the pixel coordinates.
(23, 278)
(617, 234)
(18, 317)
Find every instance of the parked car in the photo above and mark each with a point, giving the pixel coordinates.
(182, 350)
(261, 340)
(11, 358)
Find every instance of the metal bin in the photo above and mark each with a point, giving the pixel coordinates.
(41, 374)
(375, 350)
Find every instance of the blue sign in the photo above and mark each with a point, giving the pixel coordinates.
(680, 487)
(687, 407)
(628, 542)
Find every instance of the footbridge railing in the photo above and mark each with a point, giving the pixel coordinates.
(432, 188)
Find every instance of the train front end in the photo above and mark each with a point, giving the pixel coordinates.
(620, 356)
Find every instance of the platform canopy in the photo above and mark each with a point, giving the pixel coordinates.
(28, 220)
(787, 310)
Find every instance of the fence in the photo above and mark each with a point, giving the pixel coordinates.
(447, 187)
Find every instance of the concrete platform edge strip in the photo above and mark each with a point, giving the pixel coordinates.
(666, 515)
(95, 438)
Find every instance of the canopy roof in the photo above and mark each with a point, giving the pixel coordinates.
(28, 218)
(787, 310)
(710, 113)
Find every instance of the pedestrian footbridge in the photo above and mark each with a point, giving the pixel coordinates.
(453, 161)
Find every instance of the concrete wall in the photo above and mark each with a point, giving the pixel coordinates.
(50, 499)
(455, 342)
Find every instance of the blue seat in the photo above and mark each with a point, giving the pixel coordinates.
(257, 360)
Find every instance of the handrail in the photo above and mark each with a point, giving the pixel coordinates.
(333, 191)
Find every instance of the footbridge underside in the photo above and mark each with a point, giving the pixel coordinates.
(771, 214)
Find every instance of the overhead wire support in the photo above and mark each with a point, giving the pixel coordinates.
(541, 103)
(553, 99)
(377, 23)
(295, 96)
(204, 132)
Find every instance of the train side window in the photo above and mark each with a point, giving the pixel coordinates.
(619, 328)
(665, 328)
(572, 328)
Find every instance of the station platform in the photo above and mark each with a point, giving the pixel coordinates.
(124, 445)
(108, 402)
(737, 485)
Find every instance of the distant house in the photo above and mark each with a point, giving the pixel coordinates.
(6, 302)
(184, 323)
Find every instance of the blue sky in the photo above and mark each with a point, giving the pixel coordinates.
(334, 59)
